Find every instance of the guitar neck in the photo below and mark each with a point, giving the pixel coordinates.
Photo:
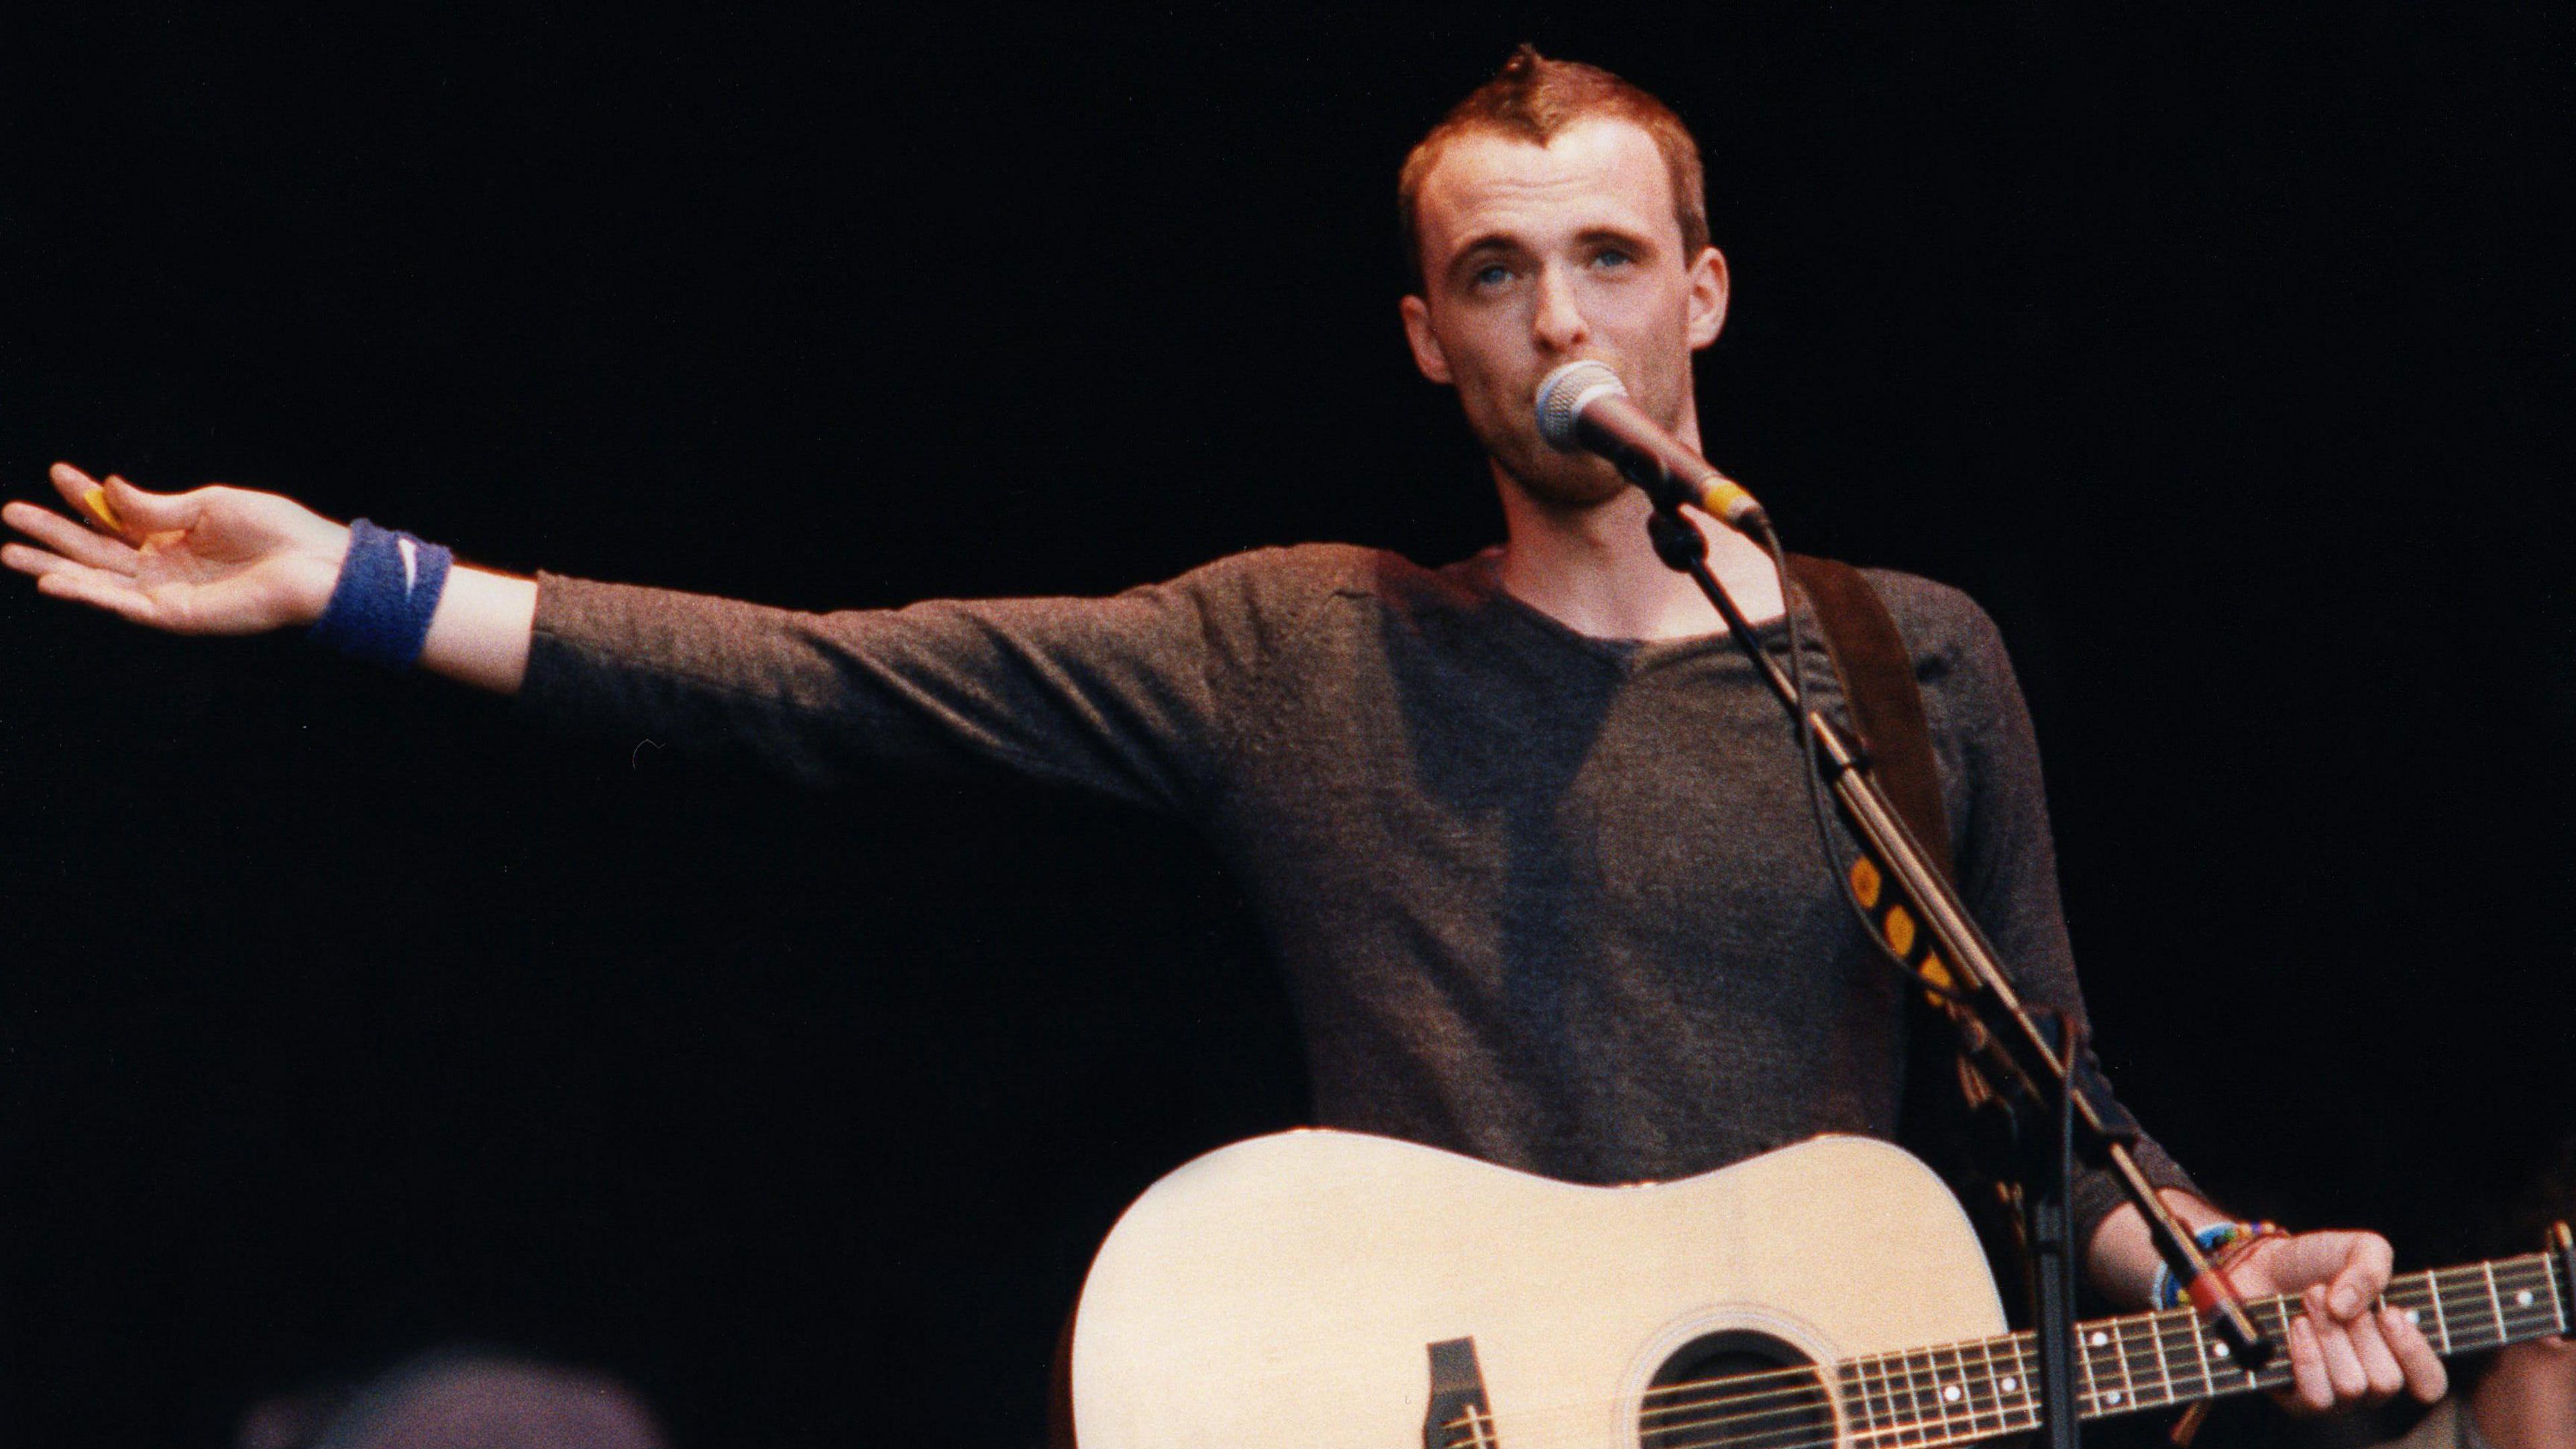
(1960, 1392)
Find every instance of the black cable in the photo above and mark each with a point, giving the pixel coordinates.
(1808, 748)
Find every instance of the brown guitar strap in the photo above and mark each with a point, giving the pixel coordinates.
(1944, 1093)
(1878, 680)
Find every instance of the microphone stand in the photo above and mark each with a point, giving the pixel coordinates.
(2061, 1102)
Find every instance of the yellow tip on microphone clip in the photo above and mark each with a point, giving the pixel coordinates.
(1724, 499)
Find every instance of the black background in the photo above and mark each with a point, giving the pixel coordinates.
(2223, 356)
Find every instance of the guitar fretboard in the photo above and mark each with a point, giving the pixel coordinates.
(1958, 1393)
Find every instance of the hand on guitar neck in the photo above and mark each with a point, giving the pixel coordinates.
(2348, 1348)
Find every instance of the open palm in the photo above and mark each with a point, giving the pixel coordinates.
(215, 560)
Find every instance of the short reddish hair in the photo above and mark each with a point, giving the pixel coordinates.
(1531, 99)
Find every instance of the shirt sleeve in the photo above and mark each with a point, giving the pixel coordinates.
(1121, 696)
(2007, 863)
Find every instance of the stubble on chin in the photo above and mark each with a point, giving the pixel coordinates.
(1571, 482)
(1507, 428)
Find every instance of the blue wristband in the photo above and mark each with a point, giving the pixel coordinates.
(389, 586)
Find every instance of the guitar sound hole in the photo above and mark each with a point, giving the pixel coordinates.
(1736, 1389)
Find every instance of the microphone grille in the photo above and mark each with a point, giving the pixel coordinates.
(1563, 393)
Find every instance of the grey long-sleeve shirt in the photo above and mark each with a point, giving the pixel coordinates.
(1554, 901)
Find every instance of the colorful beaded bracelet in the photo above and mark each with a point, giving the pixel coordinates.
(2223, 1243)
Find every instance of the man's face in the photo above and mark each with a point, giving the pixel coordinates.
(1534, 256)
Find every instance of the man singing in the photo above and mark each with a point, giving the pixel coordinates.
(1517, 921)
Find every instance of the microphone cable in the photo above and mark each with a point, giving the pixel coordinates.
(1820, 810)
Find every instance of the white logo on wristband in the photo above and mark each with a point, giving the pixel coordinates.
(410, 552)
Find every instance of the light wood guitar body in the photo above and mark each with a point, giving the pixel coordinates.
(1285, 1291)
(1325, 1290)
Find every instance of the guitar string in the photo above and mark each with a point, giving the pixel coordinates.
(2136, 1341)
(1959, 1421)
(1918, 1422)
(1982, 1420)
(1809, 1393)
(1902, 1375)
(2164, 1327)
(2005, 1422)
(2002, 1411)
(1982, 1394)
(2533, 1269)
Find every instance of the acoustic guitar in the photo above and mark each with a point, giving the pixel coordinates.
(1330, 1290)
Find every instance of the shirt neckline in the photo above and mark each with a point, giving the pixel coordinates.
(1635, 655)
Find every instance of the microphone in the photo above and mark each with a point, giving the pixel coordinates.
(1584, 406)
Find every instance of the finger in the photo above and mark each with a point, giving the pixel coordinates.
(88, 498)
(2343, 1362)
(100, 591)
(70, 482)
(2426, 1379)
(73, 542)
(130, 510)
(2309, 1389)
(2378, 1362)
(2363, 1277)
(154, 512)
(28, 559)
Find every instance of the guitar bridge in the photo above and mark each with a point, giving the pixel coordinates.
(1459, 1416)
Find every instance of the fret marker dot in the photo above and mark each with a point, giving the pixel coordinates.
(2414, 1315)
(2112, 1397)
(2100, 1338)
(2522, 1299)
(2008, 1385)
(2218, 1350)
(1951, 1394)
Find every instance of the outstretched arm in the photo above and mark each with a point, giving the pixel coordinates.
(221, 560)
(1118, 695)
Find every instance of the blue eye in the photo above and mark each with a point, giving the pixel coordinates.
(1492, 276)
(1613, 258)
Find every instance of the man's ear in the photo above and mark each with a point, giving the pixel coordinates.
(1707, 297)
(1426, 346)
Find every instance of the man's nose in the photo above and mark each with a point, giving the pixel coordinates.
(1558, 324)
